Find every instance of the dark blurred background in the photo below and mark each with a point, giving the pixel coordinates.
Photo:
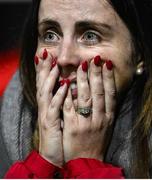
(12, 17)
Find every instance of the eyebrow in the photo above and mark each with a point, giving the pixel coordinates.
(89, 24)
(49, 22)
(85, 24)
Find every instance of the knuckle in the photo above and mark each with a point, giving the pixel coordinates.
(42, 121)
(67, 107)
(109, 117)
(38, 94)
(83, 78)
(111, 92)
(97, 73)
(85, 98)
(44, 125)
(108, 75)
(99, 95)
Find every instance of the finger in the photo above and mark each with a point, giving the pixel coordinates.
(68, 110)
(110, 90)
(50, 82)
(46, 93)
(97, 91)
(43, 68)
(56, 102)
(41, 59)
(84, 99)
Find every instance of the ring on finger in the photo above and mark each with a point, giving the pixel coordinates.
(84, 111)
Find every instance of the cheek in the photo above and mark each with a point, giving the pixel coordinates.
(51, 50)
(124, 68)
(123, 79)
(124, 72)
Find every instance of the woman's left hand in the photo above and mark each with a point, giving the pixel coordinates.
(88, 137)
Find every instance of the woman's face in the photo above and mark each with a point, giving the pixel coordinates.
(77, 30)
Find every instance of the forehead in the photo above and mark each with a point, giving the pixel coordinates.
(77, 10)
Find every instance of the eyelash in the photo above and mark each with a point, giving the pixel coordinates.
(96, 38)
(46, 35)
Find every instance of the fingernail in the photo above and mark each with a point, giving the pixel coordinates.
(62, 82)
(36, 60)
(45, 54)
(67, 81)
(84, 66)
(97, 60)
(53, 63)
(109, 65)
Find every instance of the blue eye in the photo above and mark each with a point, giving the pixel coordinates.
(50, 37)
(91, 38)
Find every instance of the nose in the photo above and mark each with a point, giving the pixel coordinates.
(68, 54)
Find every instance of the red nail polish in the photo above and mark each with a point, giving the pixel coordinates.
(85, 66)
(53, 63)
(97, 60)
(62, 82)
(67, 81)
(36, 60)
(45, 54)
(109, 65)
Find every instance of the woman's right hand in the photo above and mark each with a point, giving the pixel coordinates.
(50, 135)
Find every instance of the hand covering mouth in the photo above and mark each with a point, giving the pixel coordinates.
(73, 87)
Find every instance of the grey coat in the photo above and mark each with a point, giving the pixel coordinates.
(16, 131)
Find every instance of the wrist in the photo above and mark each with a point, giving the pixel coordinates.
(52, 159)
